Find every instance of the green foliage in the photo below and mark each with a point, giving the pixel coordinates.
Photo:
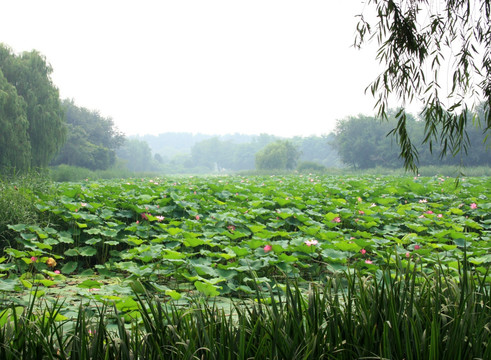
(415, 38)
(212, 232)
(277, 156)
(92, 139)
(30, 74)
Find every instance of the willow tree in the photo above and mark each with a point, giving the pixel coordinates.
(30, 74)
(420, 42)
(15, 148)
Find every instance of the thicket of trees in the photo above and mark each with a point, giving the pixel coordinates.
(363, 142)
(31, 116)
(92, 140)
(38, 129)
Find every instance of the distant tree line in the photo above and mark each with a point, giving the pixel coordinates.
(363, 142)
(199, 153)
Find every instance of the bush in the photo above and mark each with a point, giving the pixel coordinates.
(311, 166)
(67, 173)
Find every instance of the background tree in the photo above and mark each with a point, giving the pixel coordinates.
(362, 143)
(92, 139)
(30, 74)
(280, 155)
(318, 149)
(137, 156)
(15, 147)
(214, 154)
(417, 40)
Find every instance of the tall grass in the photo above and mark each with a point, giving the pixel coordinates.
(66, 173)
(396, 315)
(18, 199)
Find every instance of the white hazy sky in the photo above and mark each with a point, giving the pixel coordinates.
(212, 66)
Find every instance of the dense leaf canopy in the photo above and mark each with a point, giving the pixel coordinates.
(92, 139)
(30, 74)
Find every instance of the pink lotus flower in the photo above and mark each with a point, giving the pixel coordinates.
(408, 254)
(368, 261)
(160, 218)
(417, 247)
(361, 212)
(197, 217)
(337, 219)
(57, 272)
(34, 259)
(363, 251)
(144, 216)
(423, 201)
(429, 212)
(83, 204)
(439, 216)
(311, 242)
(267, 248)
(473, 206)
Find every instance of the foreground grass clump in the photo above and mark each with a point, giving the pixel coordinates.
(394, 315)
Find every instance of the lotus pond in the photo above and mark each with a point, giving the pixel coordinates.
(225, 237)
